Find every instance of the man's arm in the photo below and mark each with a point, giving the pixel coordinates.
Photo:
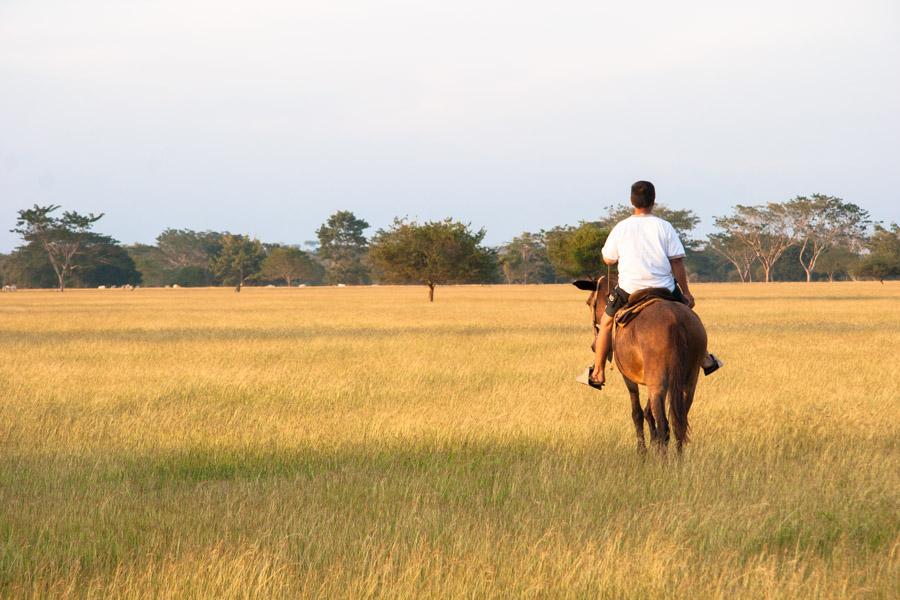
(609, 261)
(681, 277)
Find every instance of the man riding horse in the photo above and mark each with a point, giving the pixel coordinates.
(649, 255)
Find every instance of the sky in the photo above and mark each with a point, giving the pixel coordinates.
(265, 117)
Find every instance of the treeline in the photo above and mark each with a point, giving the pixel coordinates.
(803, 239)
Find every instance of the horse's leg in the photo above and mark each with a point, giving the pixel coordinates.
(651, 423)
(658, 408)
(637, 415)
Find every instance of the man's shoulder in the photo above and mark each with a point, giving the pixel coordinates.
(662, 223)
(638, 220)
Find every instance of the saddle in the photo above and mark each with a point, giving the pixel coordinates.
(640, 300)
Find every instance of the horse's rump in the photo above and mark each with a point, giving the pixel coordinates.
(663, 348)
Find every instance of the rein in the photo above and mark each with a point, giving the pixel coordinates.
(597, 296)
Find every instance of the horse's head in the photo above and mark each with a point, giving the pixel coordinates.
(600, 290)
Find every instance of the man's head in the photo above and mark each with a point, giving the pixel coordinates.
(643, 194)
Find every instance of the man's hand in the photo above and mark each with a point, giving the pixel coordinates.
(681, 279)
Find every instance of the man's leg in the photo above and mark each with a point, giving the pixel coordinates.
(604, 341)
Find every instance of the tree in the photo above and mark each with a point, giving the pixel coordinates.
(239, 259)
(108, 264)
(187, 248)
(64, 238)
(764, 229)
(837, 260)
(290, 264)
(102, 261)
(5, 262)
(150, 262)
(821, 222)
(191, 277)
(684, 221)
(788, 268)
(434, 252)
(342, 247)
(185, 252)
(525, 259)
(29, 267)
(878, 267)
(735, 252)
(883, 260)
(575, 251)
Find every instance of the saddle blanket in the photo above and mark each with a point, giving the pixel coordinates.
(640, 300)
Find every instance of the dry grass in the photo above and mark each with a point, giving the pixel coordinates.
(359, 442)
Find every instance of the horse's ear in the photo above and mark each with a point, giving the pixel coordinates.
(585, 284)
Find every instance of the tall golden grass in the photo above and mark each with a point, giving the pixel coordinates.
(359, 442)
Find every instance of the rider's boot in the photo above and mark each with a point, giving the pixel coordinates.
(711, 364)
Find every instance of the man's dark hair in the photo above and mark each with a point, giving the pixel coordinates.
(643, 194)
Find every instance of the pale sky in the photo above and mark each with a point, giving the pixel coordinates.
(265, 117)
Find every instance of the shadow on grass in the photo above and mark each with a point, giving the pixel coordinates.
(513, 486)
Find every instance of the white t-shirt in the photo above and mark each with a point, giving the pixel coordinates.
(643, 245)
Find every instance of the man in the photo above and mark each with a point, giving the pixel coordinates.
(649, 255)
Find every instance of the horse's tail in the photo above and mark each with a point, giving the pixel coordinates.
(677, 386)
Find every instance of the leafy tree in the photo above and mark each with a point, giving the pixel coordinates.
(102, 262)
(65, 239)
(684, 221)
(435, 252)
(704, 264)
(239, 259)
(109, 264)
(837, 260)
(342, 247)
(186, 248)
(885, 241)
(29, 267)
(4, 270)
(788, 268)
(290, 264)
(191, 276)
(575, 251)
(821, 222)
(764, 229)
(878, 267)
(883, 260)
(735, 251)
(150, 262)
(525, 259)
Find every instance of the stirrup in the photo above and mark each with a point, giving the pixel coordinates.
(714, 367)
(585, 378)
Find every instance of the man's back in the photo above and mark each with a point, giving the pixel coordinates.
(643, 245)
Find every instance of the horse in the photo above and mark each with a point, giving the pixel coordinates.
(662, 348)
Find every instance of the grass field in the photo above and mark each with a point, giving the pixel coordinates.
(360, 442)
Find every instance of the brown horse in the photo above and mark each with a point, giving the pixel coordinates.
(662, 348)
